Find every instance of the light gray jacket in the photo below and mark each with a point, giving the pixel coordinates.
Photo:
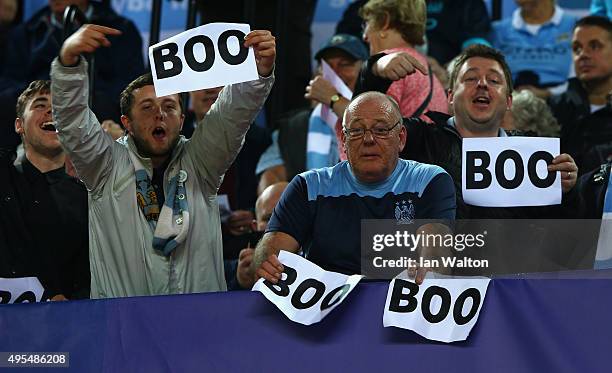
(122, 259)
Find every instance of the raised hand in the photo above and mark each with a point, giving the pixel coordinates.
(321, 90)
(264, 45)
(87, 39)
(397, 65)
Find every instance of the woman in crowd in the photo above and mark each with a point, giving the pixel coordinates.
(392, 26)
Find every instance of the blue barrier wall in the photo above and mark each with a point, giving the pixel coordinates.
(526, 325)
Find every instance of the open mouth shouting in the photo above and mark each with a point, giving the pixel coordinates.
(481, 102)
(48, 126)
(159, 133)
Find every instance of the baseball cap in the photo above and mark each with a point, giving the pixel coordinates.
(348, 43)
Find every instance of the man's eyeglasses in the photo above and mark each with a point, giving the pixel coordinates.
(378, 132)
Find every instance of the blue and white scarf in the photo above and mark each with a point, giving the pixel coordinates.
(171, 224)
(321, 143)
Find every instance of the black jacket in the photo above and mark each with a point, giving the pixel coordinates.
(593, 186)
(586, 136)
(44, 229)
(441, 144)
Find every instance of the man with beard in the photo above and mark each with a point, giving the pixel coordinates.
(154, 219)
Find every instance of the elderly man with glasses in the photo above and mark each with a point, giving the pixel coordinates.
(321, 210)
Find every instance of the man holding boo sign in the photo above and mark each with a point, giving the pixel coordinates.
(146, 188)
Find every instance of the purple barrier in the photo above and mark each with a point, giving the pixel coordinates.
(526, 325)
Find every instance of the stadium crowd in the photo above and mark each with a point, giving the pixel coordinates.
(107, 190)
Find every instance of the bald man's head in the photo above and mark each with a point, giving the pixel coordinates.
(386, 103)
(266, 202)
(373, 136)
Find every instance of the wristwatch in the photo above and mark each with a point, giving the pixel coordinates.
(335, 98)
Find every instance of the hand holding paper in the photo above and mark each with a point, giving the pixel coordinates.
(569, 171)
(270, 269)
(321, 90)
(264, 45)
(307, 293)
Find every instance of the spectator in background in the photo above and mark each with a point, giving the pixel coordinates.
(396, 26)
(530, 115)
(536, 42)
(201, 101)
(344, 54)
(451, 26)
(43, 225)
(237, 272)
(601, 8)
(303, 140)
(8, 20)
(289, 20)
(35, 43)
(583, 111)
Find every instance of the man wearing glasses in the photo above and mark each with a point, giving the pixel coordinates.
(321, 210)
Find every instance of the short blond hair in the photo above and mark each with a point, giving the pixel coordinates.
(408, 17)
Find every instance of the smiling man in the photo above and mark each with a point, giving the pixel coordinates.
(154, 219)
(321, 210)
(43, 227)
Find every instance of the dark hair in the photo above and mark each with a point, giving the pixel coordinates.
(480, 50)
(37, 86)
(126, 99)
(602, 22)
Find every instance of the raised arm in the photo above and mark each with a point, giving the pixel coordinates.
(381, 70)
(80, 132)
(219, 136)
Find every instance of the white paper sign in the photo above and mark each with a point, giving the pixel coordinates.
(20, 290)
(306, 292)
(207, 56)
(330, 75)
(442, 308)
(510, 171)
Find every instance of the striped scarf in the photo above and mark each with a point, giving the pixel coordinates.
(171, 224)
